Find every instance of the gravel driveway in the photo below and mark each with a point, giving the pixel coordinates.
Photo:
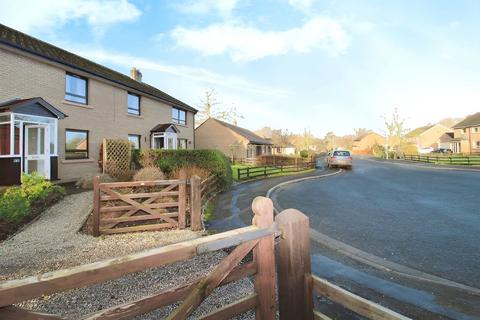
(52, 243)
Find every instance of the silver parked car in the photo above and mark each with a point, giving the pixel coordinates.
(339, 158)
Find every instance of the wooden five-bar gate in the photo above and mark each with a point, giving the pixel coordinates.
(120, 207)
(290, 268)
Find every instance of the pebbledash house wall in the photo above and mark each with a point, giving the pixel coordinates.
(24, 76)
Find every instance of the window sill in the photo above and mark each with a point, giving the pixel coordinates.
(77, 161)
(135, 116)
(180, 125)
(86, 106)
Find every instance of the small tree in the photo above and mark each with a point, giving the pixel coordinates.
(395, 129)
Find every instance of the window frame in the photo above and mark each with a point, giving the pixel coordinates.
(477, 144)
(139, 104)
(88, 144)
(176, 119)
(178, 143)
(73, 94)
(139, 137)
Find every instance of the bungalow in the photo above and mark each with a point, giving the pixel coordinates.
(365, 143)
(466, 135)
(235, 142)
(57, 107)
(427, 136)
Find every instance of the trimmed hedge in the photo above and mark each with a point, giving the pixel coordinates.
(211, 160)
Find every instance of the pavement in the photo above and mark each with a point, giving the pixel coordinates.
(416, 218)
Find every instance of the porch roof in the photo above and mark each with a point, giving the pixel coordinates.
(32, 106)
(164, 128)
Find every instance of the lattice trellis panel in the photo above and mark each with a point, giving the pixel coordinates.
(117, 157)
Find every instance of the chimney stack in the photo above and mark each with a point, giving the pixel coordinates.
(135, 74)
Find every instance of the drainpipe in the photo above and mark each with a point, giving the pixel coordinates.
(470, 140)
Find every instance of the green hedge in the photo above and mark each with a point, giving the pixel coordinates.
(211, 160)
(31, 197)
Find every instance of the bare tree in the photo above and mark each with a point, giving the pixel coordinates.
(395, 130)
(211, 107)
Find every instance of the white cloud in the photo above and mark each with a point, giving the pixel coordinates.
(195, 74)
(221, 7)
(245, 43)
(45, 15)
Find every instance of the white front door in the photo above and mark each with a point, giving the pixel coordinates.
(37, 150)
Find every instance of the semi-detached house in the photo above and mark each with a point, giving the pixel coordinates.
(57, 107)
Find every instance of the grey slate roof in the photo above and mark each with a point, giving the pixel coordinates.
(247, 134)
(470, 121)
(23, 104)
(24, 42)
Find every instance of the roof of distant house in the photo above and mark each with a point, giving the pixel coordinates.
(360, 137)
(24, 42)
(419, 131)
(446, 137)
(247, 134)
(470, 121)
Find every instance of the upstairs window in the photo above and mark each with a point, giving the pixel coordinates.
(179, 116)
(76, 144)
(133, 104)
(76, 88)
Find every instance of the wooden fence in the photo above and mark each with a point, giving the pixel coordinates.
(120, 207)
(264, 171)
(295, 281)
(438, 159)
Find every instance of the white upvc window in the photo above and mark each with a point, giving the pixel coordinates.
(164, 140)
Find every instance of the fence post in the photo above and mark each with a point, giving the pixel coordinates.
(265, 171)
(182, 199)
(238, 174)
(248, 172)
(294, 269)
(96, 206)
(195, 203)
(264, 256)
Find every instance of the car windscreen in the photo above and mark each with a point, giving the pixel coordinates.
(342, 153)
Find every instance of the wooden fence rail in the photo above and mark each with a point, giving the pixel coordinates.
(453, 160)
(264, 171)
(295, 281)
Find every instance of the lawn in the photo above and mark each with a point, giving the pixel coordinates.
(259, 172)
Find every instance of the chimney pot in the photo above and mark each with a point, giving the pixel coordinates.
(135, 74)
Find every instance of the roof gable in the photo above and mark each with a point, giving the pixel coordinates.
(24, 42)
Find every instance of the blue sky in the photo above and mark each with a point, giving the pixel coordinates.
(292, 64)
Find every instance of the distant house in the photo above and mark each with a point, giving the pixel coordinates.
(285, 150)
(365, 143)
(235, 142)
(427, 136)
(446, 141)
(466, 135)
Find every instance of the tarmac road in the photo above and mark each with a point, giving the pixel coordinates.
(415, 217)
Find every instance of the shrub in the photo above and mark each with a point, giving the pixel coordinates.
(86, 182)
(14, 206)
(148, 174)
(211, 160)
(34, 194)
(190, 172)
(304, 154)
